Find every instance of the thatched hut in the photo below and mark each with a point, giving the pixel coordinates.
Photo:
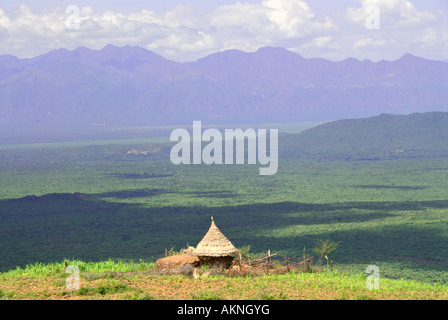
(215, 249)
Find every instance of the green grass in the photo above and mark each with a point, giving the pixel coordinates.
(334, 285)
(103, 290)
(39, 269)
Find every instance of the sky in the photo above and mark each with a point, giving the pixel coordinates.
(189, 30)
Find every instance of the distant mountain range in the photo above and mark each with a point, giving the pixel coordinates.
(383, 137)
(133, 86)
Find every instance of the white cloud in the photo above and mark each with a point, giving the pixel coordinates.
(272, 19)
(402, 28)
(293, 18)
(430, 37)
(176, 33)
(183, 34)
(393, 13)
(187, 43)
(320, 42)
(369, 42)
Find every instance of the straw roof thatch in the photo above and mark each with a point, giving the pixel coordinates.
(214, 244)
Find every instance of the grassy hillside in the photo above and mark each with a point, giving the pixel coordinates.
(419, 135)
(138, 281)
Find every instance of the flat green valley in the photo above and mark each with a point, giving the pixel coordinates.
(102, 202)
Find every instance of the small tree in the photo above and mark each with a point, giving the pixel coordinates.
(325, 248)
(245, 251)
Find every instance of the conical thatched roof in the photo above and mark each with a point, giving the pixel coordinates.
(214, 244)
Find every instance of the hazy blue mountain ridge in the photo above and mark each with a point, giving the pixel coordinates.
(133, 86)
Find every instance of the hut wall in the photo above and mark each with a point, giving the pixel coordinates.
(220, 262)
